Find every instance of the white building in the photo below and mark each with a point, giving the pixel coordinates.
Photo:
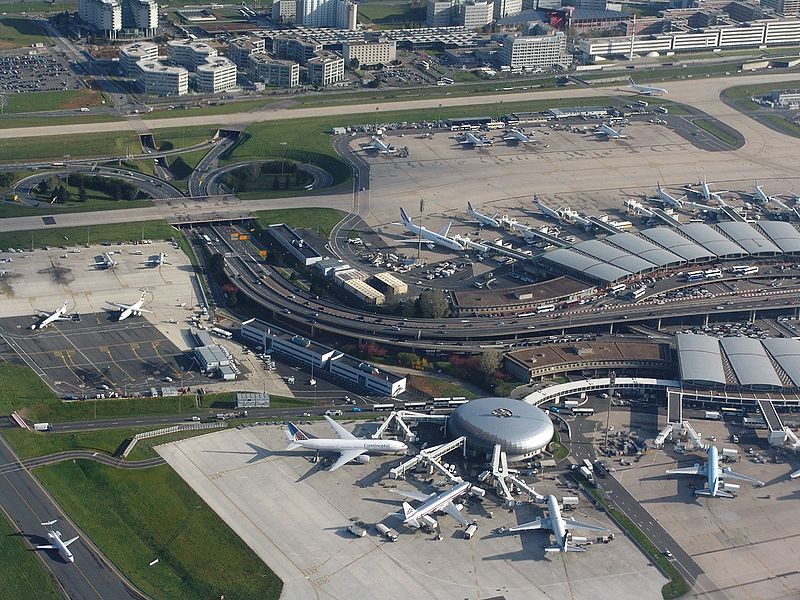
(241, 48)
(541, 51)
(216, 75)
(325, 68)
(298, 49)
(507, 8)
(102, 15)
(380, 52)
(137, 18)
(439, 13)
(141, 15)
(190, 53)
(130, 54)
(273, 71)
(154, 77)
(368, 376)
(476, 13)
(296, 347)
(284, 11)
(341, 14)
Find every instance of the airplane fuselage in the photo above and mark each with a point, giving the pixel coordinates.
(712, 471)
(63, 551)
(559, 530)
(431, 236)
(332, 445)
(438, 502)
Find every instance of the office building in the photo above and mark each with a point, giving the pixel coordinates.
(298, 49)
(507, 8)
(540, 51)
(786, 8)
(104, 16)
(476, 13)
(368, 53)
(216, 75)
(241, 48)
(284, 11)
(154, 77)
(132, 53)
(273, 71)
(439, 13)
(340, 14)
(140, 15)
(190, 53)
(120, 18)
(325, 68)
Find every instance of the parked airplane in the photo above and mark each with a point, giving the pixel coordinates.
(48, 318)
(433, 503)
(470, 139)
(56, 542)
(546, 210)
(608, 132)
(645, 89)
(381, 147)
(705, 192)
(559, 526)
(157, 261)
(715, 486)
(431, 238)
(347, 446)
(134, 309)
(795, 475)
(517, 136)
(665, 199)
(481, 218)
(760, 196)
(106, 262)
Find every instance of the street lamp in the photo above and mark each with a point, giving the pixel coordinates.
(283, 155)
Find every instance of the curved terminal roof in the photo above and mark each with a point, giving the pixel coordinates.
(520, 428)
(784, 234)
(677, 244)
(712, 240)
(750, 362)
(587, 265)
(645, 249)
(700, 360)
(615, 256)
(749, 238)
(786, 352)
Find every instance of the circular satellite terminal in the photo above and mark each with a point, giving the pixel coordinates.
(521, 429)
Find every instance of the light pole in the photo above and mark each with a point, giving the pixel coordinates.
(419, 241)
(283, 157)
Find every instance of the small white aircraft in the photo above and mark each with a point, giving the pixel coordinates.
(431, 238)
(705, 192)
(605, 131)
(482, 219)
(134, 309)
(381, 147)
(433, 503)
(559, 526)
(157, 261)
(349, 447)
(517, 136)
(645, 89)
(56, 542)
(715, 484)
(60, 314)
(476, 141)
(106, 262)
(760, 196)
(666, 199)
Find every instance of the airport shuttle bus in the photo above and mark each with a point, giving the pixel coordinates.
(639, 292)
(382, 406)
(582, 411)
(544, 308)
(695, 276)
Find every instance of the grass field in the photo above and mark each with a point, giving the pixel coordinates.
(182, 137)
(22, 576)
(321, 220)
(12, 122)
(183, 165)
(137, 516)
(16, 7)
(438, 388)
(716, 131)
(391, 14)
(17, 32)
(112, 232)
(53, 100)
(785, 126)
(91, 204)
(216, 109)
(117, 143)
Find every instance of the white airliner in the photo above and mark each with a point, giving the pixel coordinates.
(715, 484)
(760, 196)
(134, 309)
(431, 238)
(59, 315)
(517, 136)
(607, 132)
(664, 198)
(348, 446)
(559, 526)
(157, 261)
(705, 192)
(645, 89)
(378, 145)
(481, 218)
(433, 503)
(56, 542)
(795, 475)
(470, 139)
(106, 262)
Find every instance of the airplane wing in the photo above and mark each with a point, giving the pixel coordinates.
(413, 495)
(445, 230)
(341, 432)
(68, 542)
(728, 474)
(47, 547)
(572, 548)
(345, 457)
(573, 524)
(451, 510)
(695, 470)
(118, 305)
(795, 475)
(539, 523)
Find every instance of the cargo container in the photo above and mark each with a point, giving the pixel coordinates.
(470, 530)
(387, 532)
(713, 414)
(357, 531)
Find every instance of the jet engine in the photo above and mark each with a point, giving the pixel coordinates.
(363, 459)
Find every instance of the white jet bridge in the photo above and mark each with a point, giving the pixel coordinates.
(506, 479)
(430, 457)
(399, 419)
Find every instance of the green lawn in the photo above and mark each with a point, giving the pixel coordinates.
(16, 32)
(438, 388)
(137, 516)
(117, 143)
(12, 122)
(321, 220)
(53, 100)
(16, 7)
(91, 204)
(716, 131)
(216, 109)
(785, 126)
(391, 14)
(181, 137)
(183, 165)
(94, 234)
(22, 576)
(743, 92)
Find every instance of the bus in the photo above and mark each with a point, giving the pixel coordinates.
(618, 288)
(754, 422)
(731, 412)
(544, 308)
(639, 292)
(494, 125)
(383, 407)
(414, 405)
(712, 273)
(695, 276)
(223, 333)
(581, 410)
(744, 270)
(457, 402)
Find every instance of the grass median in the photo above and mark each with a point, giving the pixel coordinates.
(91, 234)
(116, 143)
(715, 130)
(321, 220)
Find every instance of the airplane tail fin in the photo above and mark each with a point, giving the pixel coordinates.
(404, 215)
(469, 206)
(631, 81)
(445, 230)
(407, 509)
(294, 434)
(49, 523)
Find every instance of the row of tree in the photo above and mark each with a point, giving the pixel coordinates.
(255, 176)
(118, 189)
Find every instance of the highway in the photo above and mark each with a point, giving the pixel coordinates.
(27, 505)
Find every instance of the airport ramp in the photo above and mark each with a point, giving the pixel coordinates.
(674, 406)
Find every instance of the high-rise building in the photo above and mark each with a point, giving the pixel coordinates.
(325, 68)
(284, 11)
(216, 75)
(273, 71)
(141, 15)
(476, 13)
(117, 18)
(241, 48)
(102, 15)
(341, 14)
(787, 8)
(507, 8)
(439, 13)
(132, 53)
(541, 51)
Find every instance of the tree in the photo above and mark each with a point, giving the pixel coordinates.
(216, 267)
(82, 193)
(276, 184)
(62, 195)
(488, 363)
(354, 64)
(432, 304)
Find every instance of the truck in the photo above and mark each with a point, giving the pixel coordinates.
(571, 403)
(357, 531)
(588, 464)
(42, 427)
(471, 529)
(587, 474)
(730, 453)
(333, 413)
(713, 415)
(387, 532)
(569, 502)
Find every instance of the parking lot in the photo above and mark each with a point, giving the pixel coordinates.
(40, 72)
